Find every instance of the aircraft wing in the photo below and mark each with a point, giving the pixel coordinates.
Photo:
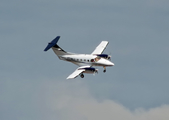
(100, 48)
(77, 72)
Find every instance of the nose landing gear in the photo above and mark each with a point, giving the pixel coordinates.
(104, 69)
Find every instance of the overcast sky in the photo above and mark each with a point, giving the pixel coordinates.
(33, 83)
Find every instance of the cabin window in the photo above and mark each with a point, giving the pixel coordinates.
(92, 60)
(88, 60)
(84, 59)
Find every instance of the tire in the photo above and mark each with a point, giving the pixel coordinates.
(82, 76)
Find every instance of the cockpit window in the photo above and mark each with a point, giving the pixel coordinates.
(97, 59)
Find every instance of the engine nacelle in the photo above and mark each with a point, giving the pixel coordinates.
(90, 70)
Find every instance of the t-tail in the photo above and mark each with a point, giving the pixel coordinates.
(57, 50)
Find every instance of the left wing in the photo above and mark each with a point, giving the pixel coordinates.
(77, 72)
(100, 48)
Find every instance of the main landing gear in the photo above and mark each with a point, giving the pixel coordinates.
(82, 76)
(104, 69)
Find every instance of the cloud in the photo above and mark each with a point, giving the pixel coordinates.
(111, 110)
(72, 100)
(66, 99)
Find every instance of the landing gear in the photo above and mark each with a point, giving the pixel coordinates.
(104, 69)
(82, 76)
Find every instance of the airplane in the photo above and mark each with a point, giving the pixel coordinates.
(84, 61)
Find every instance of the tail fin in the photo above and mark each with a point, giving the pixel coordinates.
(52, 43)
(57, 50)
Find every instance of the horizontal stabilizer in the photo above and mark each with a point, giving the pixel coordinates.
(52, 43)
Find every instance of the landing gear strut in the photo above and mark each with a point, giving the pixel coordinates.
(82, 76)
(104, 69)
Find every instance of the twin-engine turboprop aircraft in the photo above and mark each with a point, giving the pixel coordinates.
(84, 61)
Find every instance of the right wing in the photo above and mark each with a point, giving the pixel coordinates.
(77, 72)
(100, 48)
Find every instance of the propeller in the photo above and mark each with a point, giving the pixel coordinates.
(109, 56)
(96, 71)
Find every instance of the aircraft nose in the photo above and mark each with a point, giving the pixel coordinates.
(110, 63)
(105, 62)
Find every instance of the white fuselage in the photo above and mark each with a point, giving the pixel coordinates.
(86, 60)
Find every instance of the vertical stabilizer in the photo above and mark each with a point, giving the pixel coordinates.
(52, 43)
(57, 50)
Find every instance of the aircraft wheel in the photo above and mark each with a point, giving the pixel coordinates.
(104, 71)
(82, 76)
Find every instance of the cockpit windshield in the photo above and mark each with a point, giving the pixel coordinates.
(97, 59)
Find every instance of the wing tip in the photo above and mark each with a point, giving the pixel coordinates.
(68, 78)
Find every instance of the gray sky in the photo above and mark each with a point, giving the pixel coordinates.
(33, 83)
